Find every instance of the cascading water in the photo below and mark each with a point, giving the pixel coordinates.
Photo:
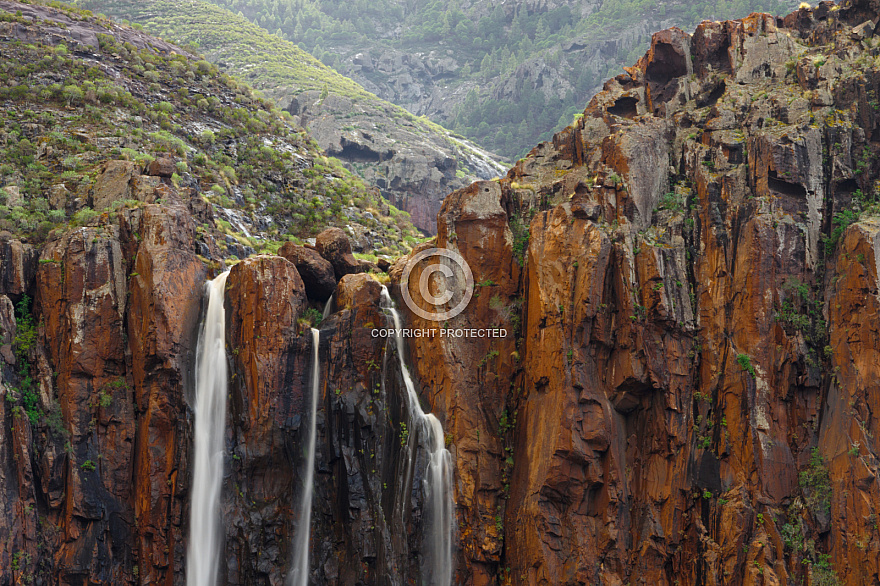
(210, 420)
(328, 309)
(438, 482)
(299, 575)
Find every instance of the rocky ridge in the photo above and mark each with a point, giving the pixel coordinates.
(690, 270)
(100, 116)
(504, 74)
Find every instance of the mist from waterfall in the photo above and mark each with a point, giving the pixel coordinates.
(299, 575)
(438, 481)
(203, 554)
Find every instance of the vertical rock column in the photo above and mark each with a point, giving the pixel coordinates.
(268, 396)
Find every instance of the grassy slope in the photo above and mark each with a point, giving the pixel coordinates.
(268, 62)
(66, 114)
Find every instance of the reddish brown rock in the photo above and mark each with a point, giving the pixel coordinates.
(269, 392)
(81, 302)
(467, 383)
(850, 420)
(666, 67)
(334, 246)
(316, 272)
(18, 266)
(688, 395)
(166, 286)
(161, 167)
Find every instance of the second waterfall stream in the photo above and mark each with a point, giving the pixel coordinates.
(438, 481)
(299, 575)
(203, 555)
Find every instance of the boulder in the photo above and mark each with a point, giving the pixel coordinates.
(316, 272)
(59, 196)
(368, 266)
(863, 31)
(113, 184)
(161, 167)
(334, 246)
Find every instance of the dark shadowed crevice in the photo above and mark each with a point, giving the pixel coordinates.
(625, 107)
(784, 187)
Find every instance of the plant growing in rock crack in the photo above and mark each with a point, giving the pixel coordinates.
(801, 311)
(815, 483)
(520, 238)
(489, 356)
(745, 362)
(841, 221)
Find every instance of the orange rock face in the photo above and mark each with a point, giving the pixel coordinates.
(166, 284)
(265, 297)
(685, 394)
(692, 396)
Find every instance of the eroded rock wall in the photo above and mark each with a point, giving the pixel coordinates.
(689, 385)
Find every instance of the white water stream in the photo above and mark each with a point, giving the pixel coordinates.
(203, 555)
(438, 481)
(299, 575)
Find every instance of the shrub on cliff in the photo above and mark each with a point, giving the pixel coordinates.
(815, 482)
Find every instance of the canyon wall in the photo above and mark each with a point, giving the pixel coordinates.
(687, 395)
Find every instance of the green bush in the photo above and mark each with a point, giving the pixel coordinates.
(840, 223)
(72, 94)
(745, 362)
(815, 483)
(84, 216)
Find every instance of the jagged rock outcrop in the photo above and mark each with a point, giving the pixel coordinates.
(690, 401)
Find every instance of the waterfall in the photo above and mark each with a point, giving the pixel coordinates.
(438, 481)
(328, 308)
(299, 575)
(203, 557)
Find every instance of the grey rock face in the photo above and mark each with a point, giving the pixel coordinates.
(413, 163)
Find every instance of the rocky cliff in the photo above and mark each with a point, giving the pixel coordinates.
(691, 270)
(689, 277)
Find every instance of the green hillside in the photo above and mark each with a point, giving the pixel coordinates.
(70, 107)
(495, 47)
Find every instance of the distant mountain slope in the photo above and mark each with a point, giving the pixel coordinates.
(504, 73)
(414, 162)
